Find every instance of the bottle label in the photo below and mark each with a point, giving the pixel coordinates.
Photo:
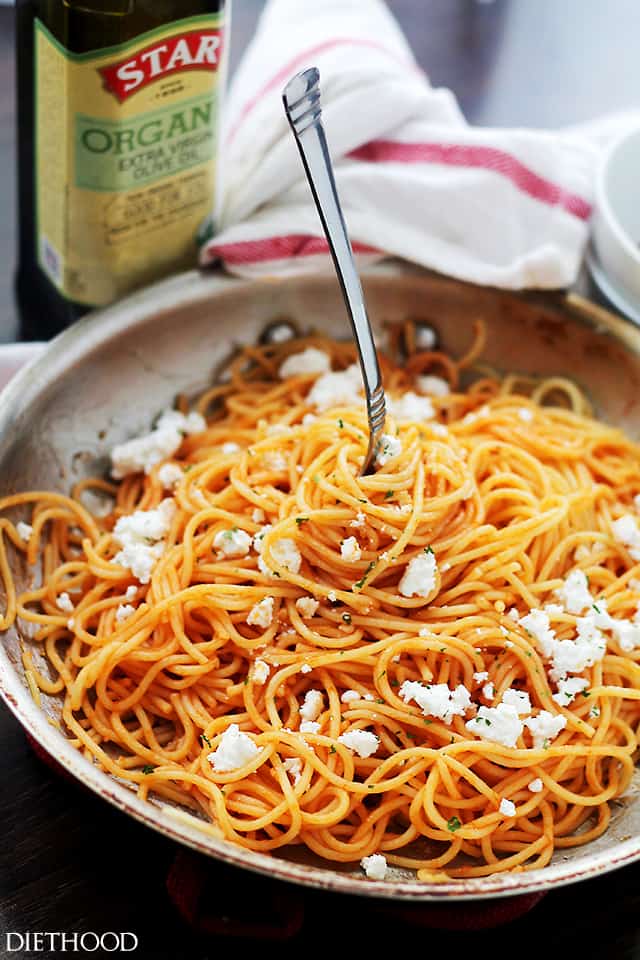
(125, 156)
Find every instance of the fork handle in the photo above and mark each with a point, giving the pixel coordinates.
(301, 98)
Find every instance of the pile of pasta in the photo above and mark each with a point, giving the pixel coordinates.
(432, 667)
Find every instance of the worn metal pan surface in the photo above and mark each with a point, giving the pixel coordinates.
(106, 377)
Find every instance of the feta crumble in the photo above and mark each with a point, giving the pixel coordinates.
(359, 521)
(435, 386)
(293, 766)
(24, 530)
(308, 361)
(525, 414)
(567, 690)
(499, 724)
(545, 727)
(350, 550)
(233, 542)
(410, 407)
(375, 866)
(419, 579)
(260, 672)
(141, 535)
(480, 676)
(307, 607)
(625, 530)
(313, 705)
(64, 603)
(309, 726)
(234, 750)
(261, 614)
(230, 448)
(286, 554)
(536, 786)
(142, 454)
(436, 699)
(339, 389)
(507, 808)
(388, 447)
(362, 742)
(574, 592)
(519, 700)
(131, 592)
(170, 475)
(349, 696)
(258, 515)
(489, 691)
(124, 611)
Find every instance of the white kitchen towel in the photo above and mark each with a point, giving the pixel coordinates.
(504, 207)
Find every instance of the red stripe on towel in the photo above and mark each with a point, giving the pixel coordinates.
(480, 157)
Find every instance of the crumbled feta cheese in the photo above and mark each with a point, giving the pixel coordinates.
(553, 610)
(313, 705)
(574, 592)
(525, 414)
(308, 361)
(234, 750)
(574, 656)
(141, 454)
(349, 696)
(64, 603)
(286, 554)
(124, 611)
(499, 724)
(536, 624)
(131, 592)
(332, 596)
(350, 550)
(340, 389)
(308, 419)
(293, 766)
(625, 530)
(567, 690)
(375, 866)
(258, 515)
(362, 742)
(513, 614)
(359, 521)
(274, 460)
(309, 726)
(230, 448)
(436, 699)
(170, 475)
(536, 786)
(410, 407)
(306, 606)
(507, 808)
(435, 386)
(419, 579)
(424, 632)
(489, 691)
(71, 624)
(141, 536)
(425, 337)
(545, 727)
(233, 542)
(519, 700)
(261, 614)
(24, 530)
(480, 676)
(388, 447)
(260, 672)
(306, 668)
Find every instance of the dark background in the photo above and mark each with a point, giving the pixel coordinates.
(68, 861)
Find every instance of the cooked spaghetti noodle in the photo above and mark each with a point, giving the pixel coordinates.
(436, 664)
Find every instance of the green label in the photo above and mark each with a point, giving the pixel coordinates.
(113, 156)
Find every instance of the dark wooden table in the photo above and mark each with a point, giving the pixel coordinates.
(68, 861)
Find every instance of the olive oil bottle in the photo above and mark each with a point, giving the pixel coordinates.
(118, 107)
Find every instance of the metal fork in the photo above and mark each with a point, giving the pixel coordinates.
(301, 98)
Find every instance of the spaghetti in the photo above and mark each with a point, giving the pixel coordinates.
(434, 667)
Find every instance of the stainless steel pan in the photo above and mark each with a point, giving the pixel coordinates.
(104, 379)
